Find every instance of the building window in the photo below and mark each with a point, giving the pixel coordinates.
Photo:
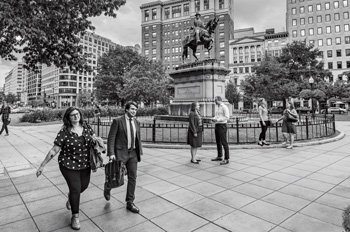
(329, 41)
(146, 43)
(240, 70)
(312, 42)
(318, 7)
(206, 4)
(339, 65)
(176, 10)
(310, 8)
(154, 14)
(330, 65)
(320, 42)
(222, 44)
(319, 31)
(346, 27)
(146, 52)
(336, 17)
(328, 30)
(293, 1)
(338, 52)
(246, 69)
(146, 35)
(337, 28)
(347, 52)
(197, 5)
(347, 39)
(311, 20)
(329, 53)
(222, 53)
(302, 32)
(166, 13)
(348, 65)
(327, 5)
(319, 19)
(336, 5)
(146, 15)
(346, 15)
(311, 31)
(294, 33)
(294, 22)
(302, 21)
(302, 10)
(345, 3)
(221, 4)
(234, 70)
(186, 9)
(328, 17)
(337, 41)
(294, 11)
(154, 34)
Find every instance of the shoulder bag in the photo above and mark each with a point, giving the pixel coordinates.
(115, 172)
(291, 118)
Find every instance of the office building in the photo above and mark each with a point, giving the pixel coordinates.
(326, 24)
(14, 81)
(165, 24)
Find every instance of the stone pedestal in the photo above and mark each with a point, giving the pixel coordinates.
(199, 81)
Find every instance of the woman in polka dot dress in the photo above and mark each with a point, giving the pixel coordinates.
(74, 142)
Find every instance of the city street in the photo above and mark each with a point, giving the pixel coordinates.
(275, 190)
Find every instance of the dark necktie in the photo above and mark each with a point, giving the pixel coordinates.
(132, 134)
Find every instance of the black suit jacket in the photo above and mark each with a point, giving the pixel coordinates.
(117, 143)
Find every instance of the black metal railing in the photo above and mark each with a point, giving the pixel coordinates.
(160, 131)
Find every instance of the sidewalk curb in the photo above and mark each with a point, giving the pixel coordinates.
(340, 136)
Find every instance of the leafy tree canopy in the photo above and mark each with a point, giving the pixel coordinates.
(231, 93)
(45, 31)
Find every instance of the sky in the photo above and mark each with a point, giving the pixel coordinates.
(125, 29)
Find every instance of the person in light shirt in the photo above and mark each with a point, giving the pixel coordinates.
(221, 117)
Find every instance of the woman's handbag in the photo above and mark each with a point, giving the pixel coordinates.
(291, 118)
(115, 172)
(8, 121)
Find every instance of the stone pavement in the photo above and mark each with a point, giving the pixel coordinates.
(272, 190)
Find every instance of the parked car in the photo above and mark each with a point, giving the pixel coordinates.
(303, 110)
(276, 110)
(332, 110)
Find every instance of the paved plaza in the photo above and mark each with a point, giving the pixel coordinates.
(261, 190)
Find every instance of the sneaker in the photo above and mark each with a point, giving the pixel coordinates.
(290, 147)
(224, 162)
(75, 223)
(260, 143)
(284, 143)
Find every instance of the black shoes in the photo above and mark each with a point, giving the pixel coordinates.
(132, 207)
(107, 194)
(217, 159)
(224, 162)
(260, 143)
(265, 143)
(194, 162)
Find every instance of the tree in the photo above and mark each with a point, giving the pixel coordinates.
(46, 31)
(146, 82)
(112, 67)
(11, 98)
(231, 93)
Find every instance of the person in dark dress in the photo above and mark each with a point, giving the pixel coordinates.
(288, 128)
(74, 142)
(194, 134)
(5, 112)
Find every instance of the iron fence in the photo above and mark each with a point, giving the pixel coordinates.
(160, 131)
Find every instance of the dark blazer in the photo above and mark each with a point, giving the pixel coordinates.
(117, 142)
(193, 126)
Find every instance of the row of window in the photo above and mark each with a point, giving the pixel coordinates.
(329, 41)
(339, 65)
(241, 70)
(327, 18)
(327, 6)
(338, 53)
(247, 49)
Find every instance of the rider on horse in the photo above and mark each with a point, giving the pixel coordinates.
(199, 26)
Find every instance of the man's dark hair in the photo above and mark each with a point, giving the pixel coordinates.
(129, 103)
(218, 98)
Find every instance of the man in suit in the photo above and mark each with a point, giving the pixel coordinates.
(124, 144)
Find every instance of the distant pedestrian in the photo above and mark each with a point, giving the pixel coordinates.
(195, 128)
(97, 112)
(264, 121)
(288, 127)
(221, 117)
(5, 112)
(124, 144)
(74, 141)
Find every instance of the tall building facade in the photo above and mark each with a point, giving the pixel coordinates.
(326, 24)
(166, 23)
(14, 80)
(247, 49)
(64, 87)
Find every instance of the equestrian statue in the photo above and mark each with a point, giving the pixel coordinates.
(200, 35)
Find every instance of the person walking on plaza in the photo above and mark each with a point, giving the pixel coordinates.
(124, 144)
(264, 121)
(194, 134)
(74, 142)
(221, 117)
(288, 128)
(5, 112)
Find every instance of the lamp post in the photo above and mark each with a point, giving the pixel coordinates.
(311, 82)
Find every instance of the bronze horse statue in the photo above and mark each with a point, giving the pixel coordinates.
(205, 36)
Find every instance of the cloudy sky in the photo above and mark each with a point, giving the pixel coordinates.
(125, 29)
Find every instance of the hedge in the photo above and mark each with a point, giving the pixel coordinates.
(48, 114)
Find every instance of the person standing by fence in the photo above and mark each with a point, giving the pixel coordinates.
(5, 112)
(288, 128)
(221, 117)
(194, 134)
(264, 121)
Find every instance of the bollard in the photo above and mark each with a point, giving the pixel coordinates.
(307, 127)
(154, 130)
(237, 124)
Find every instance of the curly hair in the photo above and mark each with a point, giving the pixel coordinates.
(67, 123)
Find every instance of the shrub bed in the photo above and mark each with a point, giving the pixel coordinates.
(47, 115)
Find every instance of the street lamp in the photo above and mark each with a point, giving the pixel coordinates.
(311, 82)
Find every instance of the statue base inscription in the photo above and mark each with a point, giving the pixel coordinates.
(201, 82)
